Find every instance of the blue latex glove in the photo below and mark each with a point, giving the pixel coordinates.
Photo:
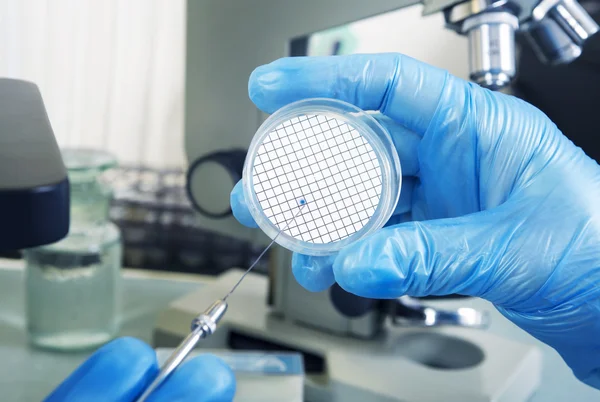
(503, 206)
(121, 370)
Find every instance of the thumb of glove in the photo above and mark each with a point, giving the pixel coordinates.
(469, 255)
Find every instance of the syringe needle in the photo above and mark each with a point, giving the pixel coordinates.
(263, 253)
(205, 324)
(202, 326)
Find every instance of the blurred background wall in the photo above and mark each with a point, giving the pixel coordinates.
(111, 71)
(405, 31)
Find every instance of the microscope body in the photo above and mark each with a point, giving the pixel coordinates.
(341, 314)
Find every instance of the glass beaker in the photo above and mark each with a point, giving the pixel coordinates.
(72, 286)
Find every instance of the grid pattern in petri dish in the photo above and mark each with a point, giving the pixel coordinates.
(324, 164)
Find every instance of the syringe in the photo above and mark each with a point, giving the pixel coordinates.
(204, 324)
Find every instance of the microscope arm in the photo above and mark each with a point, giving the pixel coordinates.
(406, 311)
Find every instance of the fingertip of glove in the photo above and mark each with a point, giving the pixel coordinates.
(129, 347)
(239, 207)
(351, 278)
(315, 274)
(261, 80)
(126, 355)
(122, 367)
(254, 84)
(368, 268)
(210, 373)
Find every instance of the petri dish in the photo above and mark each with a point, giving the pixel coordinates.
(321, 174)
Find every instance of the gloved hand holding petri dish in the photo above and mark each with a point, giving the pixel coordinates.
(329, 158)
(497, 203)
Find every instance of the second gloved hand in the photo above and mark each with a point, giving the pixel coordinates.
(121, 370)
(496, 202)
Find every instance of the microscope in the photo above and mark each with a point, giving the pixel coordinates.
(354, 349)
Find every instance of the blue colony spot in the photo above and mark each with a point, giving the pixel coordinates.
(301, 201)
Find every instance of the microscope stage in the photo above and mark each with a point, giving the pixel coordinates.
(400, 364)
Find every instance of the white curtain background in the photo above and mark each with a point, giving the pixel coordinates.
(111, 71)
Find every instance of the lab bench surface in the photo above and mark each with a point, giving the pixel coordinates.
(28, 374)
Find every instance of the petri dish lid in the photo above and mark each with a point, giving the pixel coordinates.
(322, 172)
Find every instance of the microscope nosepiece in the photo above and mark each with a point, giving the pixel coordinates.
(492, 48)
